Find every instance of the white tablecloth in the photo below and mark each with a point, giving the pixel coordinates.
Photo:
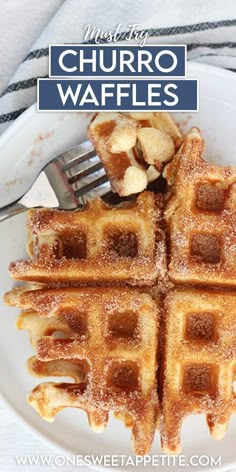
(21, 22)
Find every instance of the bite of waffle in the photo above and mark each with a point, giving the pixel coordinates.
(134, 147)
(136, 302)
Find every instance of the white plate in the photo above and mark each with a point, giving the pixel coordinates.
(29, 143)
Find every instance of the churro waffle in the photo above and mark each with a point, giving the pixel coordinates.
(201, 218)
(199, 362)
(114, 136)
(106, 339)
(134, 147)
(161, 121)
(100, 244)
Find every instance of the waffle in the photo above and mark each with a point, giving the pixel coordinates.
(106, 339)
(134, 147)
(156, 147)
(98, 245)
(199, 362)
(113, 136)
(161, 121)
(201, 218)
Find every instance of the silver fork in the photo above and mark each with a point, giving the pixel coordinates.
(68, 182)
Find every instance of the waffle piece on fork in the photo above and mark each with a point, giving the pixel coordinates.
(114, 136)
(161, 121)
(201, 218)
(104, 338)
(134, 147)
(101, 244)
(198, 362)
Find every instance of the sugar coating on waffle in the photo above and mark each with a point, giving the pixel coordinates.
(133, 147)
(101, 244)
(161, 121)
(198, 362)
(113, 136)
(201, 218)
(106, 339)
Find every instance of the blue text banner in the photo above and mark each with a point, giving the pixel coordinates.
(117, 61)
(120, 95)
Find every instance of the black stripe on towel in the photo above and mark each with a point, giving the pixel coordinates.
(36, 54)
(168, 31)
(22, 84)
(175, 30)
(11, 116)
(192, 46)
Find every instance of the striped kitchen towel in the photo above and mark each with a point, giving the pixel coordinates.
(208, 27)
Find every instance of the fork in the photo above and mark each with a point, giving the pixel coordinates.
(68, 182)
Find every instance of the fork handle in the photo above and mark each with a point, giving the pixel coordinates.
(11, 210)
